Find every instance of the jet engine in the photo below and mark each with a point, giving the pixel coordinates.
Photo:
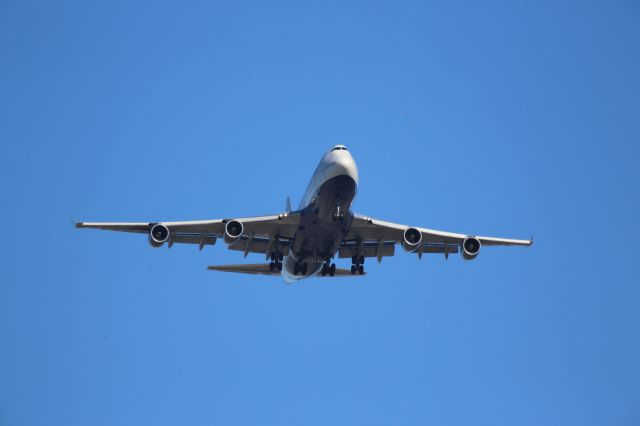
(411, 239)
(158, 235)
(470, 248)
(232, 231)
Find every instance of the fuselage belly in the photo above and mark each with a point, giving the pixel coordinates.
(325, 215)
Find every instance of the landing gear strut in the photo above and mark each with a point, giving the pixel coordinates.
(357, 265)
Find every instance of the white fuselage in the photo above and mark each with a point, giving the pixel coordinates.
(335, 167)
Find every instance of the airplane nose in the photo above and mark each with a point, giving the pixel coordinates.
(345, 165)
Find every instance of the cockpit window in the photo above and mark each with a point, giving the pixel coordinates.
(339, 147)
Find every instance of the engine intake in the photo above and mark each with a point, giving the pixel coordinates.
(470, 248)
(158, 235)
(232, 231)
(411, 239)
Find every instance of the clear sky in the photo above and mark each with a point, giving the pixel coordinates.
(496, 118)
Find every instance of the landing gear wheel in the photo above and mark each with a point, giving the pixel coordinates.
(361, 270)
(296, 269)
(271, 266)
(353, 269)
(332, 269)
(279, 266)
(325, 270)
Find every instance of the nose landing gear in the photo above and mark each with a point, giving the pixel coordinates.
(338, 215)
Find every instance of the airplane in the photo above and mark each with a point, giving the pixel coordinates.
(303, 243)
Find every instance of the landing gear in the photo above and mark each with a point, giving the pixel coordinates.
(357, 265)
(328, 269)
(276, 262)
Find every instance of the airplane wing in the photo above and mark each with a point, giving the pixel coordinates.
(263, 269)
(258, 233)
(377, 238)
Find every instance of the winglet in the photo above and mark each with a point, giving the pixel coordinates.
(288, 205)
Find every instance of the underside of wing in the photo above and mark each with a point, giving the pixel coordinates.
(254, 234)
(370, 237)
(261, 245)
(350, 248)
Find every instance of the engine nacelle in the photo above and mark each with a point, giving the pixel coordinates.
(470, 248)
(232, 231)
(411, 239)
(158, 235)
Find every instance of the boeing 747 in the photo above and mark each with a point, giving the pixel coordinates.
(303, 243)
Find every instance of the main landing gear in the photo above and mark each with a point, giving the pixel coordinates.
(276, 262)
(329, 269)
(357, 265)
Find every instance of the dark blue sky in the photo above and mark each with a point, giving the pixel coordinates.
(506, 119)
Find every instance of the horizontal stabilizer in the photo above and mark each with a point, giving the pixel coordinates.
(263, 269)
(257, 269)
